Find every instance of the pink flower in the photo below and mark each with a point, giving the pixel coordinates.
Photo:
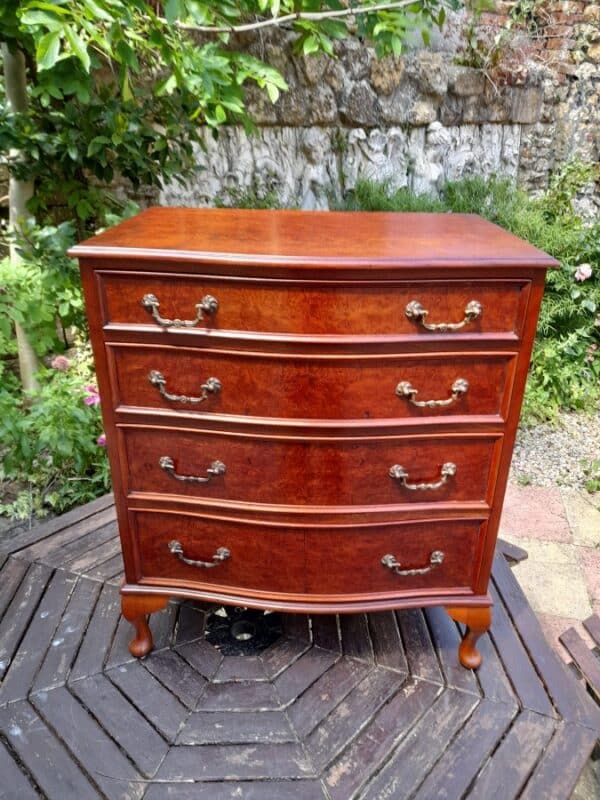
(92, 398)
(61, 363)
(101, 440)
(584, 271)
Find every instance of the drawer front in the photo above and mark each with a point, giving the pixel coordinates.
(293, 307)
(351, 562)
(253, 559)
(312, 387)
(294, 471)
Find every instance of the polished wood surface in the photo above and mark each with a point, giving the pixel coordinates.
(309, 342)
(335, 308)
(313, 237)
(310, 471)
(351, 387)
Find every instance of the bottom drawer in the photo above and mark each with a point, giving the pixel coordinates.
(317, 563)
(393, 559)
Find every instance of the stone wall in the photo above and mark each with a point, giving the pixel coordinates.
(420, 119)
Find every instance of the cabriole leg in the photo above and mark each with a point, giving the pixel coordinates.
(477, 621)
(136, 608)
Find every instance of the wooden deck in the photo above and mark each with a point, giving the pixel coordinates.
(365, 706)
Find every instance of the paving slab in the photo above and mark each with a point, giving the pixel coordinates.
(533, 512)
(583, 517)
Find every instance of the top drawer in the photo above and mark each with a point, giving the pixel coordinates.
(353, 308)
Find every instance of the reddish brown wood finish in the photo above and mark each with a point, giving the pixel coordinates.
(135, 609)
(294, 307)
(310, 341)
(320, 387)
(477, 622)
(312, 471)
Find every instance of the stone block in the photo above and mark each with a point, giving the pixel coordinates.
(386, 74)
(526, 104)
(592, 12)
(322, 108)
(430, 73)
(422, 113)
(583, 517)
(451, 110)
(360, 106)
(534, 513)
(593, 52)
(466, 81)
(314, 68)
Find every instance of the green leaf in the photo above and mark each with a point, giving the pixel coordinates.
(273, 92)
(310, 45)
(48, 50)
(78, 47)
(174, 9)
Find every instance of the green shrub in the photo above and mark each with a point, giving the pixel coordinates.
(565, 370)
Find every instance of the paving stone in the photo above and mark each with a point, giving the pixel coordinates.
(590, 560)
(534, 512)
(583, 517)
(554, 626)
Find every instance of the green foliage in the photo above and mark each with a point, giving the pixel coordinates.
(50, 453)
(565, 369)
(592, 473)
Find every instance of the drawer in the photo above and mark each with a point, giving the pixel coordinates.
(351, 562)
(314, 472)
(312, 386)
(308, 308)
(241, 559)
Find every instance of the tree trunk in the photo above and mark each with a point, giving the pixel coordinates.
(19, 193)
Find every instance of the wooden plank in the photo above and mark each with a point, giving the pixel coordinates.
(525, 680)
(123, 722)
(110, 568)
(356, 641)
(177, 675)
(150, 697)
(15, 785)
(88, 561)
(47, 760)
(98, 635)
(505, 774)
(346, 775)
(235, 762)
(338, 729)
(587, 663)
(491, 674)
(302, 673)
(62, 547)
(282, 653)
(40, 632)
(296, 626)
(119, 650)
(243, 696)
(446, 639)
(569, 697)
(511, 551)
(325, 631)
(234, 790)
(162, 625)
(557, 773)
(51, 527)
(462, 760)
(202, 656)
(86, 740)
(243, 727)
(11, 576)
(240, 668)
(420, 652)
(417, 753)
(592, 626)
(190, 623)
(19, 612)
(67, 638)
(325, 694)
(387, 642)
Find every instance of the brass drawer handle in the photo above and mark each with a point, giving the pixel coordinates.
(212, 386)
(400, 474)
(222, 554)
(406, 389)
(208, 305)
(435, 559)
(415, 311)
(215, 469)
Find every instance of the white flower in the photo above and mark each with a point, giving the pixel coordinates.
(584, 271)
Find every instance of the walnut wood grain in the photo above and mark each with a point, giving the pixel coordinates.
(301, 307)
(320, 387)
(309, 471)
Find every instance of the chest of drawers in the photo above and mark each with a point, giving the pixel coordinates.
(310, 411)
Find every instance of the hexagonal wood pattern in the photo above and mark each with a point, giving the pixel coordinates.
(363, 706)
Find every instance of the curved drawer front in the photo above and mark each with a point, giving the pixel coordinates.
(398, 558)
(270, 560)
(309, 308)
(313, 387)
(332, 563)
(293, 471)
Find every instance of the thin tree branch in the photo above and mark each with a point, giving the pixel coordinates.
(308, 15)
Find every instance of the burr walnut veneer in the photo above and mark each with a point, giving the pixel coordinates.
(310, 411)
